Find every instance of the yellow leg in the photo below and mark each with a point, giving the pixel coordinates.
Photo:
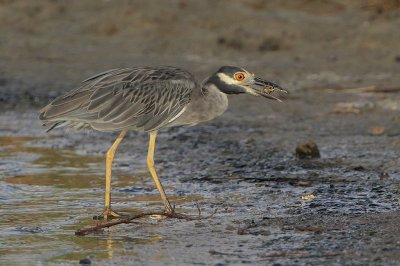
(108, 212)
(150, 165)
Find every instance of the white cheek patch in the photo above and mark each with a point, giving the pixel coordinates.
(227, 79)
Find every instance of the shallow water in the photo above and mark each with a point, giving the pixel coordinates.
(56, 192)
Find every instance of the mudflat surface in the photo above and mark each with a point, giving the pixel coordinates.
(340, 62)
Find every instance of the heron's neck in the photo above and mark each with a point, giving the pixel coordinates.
(213, 100)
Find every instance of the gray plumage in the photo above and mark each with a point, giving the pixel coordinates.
(139, 98)
(147, 98)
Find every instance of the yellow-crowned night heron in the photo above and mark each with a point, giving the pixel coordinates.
(148, 99)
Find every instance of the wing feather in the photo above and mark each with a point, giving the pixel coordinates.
(60, 108)
(143, 98)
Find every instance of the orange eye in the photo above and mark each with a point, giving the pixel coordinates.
(239, 76)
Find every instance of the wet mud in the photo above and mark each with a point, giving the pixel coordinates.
(272, 207)
(339, 62)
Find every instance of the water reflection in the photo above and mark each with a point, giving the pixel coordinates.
(47, 194)
(110, 247)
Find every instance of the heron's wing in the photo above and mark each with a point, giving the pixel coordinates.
(144, 98)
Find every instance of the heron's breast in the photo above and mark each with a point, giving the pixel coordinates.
(203, 107)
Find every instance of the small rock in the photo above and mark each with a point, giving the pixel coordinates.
(307, 149)
(384, 175)
(359, 168)
(85, 261)
(397, 58)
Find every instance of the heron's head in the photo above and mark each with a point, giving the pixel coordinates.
(235, 80)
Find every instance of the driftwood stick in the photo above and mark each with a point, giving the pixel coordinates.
(130, 219)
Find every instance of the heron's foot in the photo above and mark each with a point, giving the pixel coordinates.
(107, 214)
(169, 209)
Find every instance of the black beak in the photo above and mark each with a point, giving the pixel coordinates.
(265, 88)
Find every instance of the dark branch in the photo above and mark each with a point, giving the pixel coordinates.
(130, 219)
